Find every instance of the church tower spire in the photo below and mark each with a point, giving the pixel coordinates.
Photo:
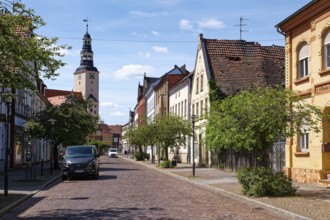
(86, 76)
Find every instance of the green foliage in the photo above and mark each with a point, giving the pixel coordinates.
(98, 144)
(34, 129)
(24, 54)
(73, 123)
(166, 164)
(253, 120)
(262, 181)
(167, 131)
(139, 156)
(215, 93)
(170, 130)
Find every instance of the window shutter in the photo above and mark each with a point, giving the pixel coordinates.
(303, 53)
(327, 38)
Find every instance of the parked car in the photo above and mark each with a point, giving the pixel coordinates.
(112, 152)
(80, 161)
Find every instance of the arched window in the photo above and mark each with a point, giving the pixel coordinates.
(327, 50)
(303, 61)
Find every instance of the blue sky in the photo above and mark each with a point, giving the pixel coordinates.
(130, 37)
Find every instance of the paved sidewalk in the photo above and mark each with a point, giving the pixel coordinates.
(23, 183)
(311, 201)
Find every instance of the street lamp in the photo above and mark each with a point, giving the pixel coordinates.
(7, 101)
(52, 121)
(193, 119)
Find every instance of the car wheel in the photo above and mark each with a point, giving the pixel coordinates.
(64, 177)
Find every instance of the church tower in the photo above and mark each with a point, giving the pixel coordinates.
(86, 76)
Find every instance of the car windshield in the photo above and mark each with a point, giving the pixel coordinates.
(81, 151)
(113, 150)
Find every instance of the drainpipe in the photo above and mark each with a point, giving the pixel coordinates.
(289, 142)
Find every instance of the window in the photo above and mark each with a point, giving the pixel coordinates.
(185, 107)
(179, 109)
(206, 106)
(303, 61)
(201, 111)
(304, 136)
(201, 83)
(304, 141)
(197, 109)
(327, 50)
(197, 84)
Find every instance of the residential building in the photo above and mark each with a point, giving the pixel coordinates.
(21, 109)
(141, 103)
(150, 113)
(232, 65)
(161, 93)
(167, 81)
(307, 42)
(179, 105)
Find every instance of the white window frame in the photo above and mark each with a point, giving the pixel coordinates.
(326, 48)
(303, 61)
(304, 141)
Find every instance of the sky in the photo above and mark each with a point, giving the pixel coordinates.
(133, 37)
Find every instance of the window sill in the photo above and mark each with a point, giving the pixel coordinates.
(324, 72)
(302, 154)
(301, 80)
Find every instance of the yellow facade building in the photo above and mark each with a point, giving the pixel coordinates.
(307, 44)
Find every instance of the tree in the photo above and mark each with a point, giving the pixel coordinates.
(141, 136)
(72, 124)
(254, 120)
(25, 56)
(100, 145)
(170, 131)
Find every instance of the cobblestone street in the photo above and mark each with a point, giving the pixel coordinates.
(127, 190)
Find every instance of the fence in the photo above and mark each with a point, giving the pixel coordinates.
(232, 161)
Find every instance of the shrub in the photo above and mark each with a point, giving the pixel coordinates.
(166, 164)
(141, 156)
(264, 182)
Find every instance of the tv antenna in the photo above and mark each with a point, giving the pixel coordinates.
(241, 19)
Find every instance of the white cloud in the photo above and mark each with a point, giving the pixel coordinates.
(70, 52)
(138, 34)
(132, 70)
(109, 104)
(144, 54)
(118, 114)
(210, 23)
(155, 33)
(185, 25)
(146, 14)
(160, 49)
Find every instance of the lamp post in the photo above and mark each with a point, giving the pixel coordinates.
(52, 121)
(7, 100)
(193, 119)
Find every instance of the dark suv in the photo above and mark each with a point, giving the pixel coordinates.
(80, 161)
